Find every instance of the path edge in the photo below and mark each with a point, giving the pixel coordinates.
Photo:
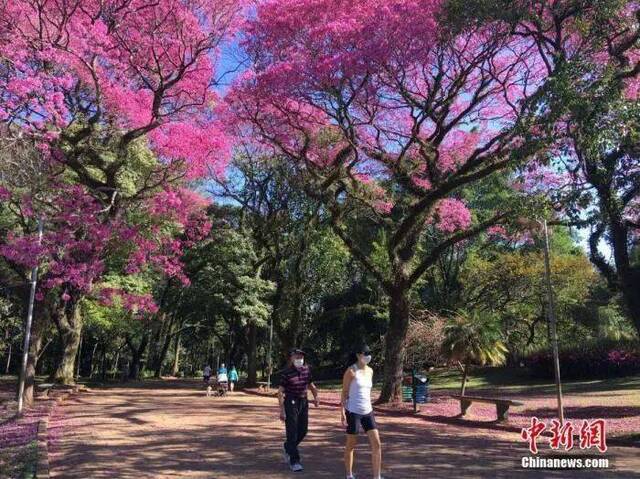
(42, 466)
(43, 469)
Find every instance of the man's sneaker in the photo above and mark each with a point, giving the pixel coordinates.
(285, 455)
(297, 467)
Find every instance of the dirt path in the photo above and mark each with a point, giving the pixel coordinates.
(171, 429)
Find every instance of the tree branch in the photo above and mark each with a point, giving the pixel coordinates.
(452, 240)
(598, 260)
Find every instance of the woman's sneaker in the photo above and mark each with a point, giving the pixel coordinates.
(297, 467)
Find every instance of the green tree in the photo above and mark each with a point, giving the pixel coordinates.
(226, 290)
(598, 129)
(510, 284)
(473, 338)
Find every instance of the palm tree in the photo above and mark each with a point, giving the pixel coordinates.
(473, 338)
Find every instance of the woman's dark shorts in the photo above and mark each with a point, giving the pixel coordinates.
(360, 422)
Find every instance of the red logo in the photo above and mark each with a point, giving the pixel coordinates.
(531, 434)
(562, 435)
(592, 434)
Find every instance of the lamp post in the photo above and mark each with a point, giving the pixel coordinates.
(552, 321)
(27, 332)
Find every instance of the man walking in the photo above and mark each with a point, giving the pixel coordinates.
(294, 406)
(206, 373)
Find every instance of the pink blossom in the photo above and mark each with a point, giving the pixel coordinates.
(5, 194)
(140, 67)
(79, 238)
(423, 183)
(498, 231)
(374, 86)
(384, 207)
(138, 304)
(539, 179)
(452, 215)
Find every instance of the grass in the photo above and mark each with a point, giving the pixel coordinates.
(512, 380)
(19, 462)
(515, 380)
(450, 378)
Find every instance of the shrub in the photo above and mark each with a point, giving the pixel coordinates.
(424, 340)
(593, 359)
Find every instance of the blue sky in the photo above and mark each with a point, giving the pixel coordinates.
(233, 62)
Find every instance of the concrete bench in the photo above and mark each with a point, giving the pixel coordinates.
(502, 405)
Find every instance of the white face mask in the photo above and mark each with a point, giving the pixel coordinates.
(366, 359)
(298, 363)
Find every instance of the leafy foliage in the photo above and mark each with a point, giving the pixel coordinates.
(474, 339)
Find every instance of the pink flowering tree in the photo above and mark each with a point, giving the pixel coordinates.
(388, 110)
(101, 89)
(89, 78)
(79, 248)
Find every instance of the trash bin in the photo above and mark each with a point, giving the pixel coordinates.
(422, 388)
(407, 393)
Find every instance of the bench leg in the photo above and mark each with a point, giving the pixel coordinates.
(42, 394)
(503, 412)
(464, 405)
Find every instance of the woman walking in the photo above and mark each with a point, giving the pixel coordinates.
(357, 411)
(233, 377)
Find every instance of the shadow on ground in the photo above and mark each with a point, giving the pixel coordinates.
(170, 429)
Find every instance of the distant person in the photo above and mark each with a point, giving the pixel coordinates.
(206, 374)
(294, 406)
(357, 411)
(233, 378)
(222, 374)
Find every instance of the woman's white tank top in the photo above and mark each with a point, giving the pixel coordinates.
(359, 401)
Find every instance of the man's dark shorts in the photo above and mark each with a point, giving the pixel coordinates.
(360, 422)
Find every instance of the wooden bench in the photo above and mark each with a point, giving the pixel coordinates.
(502, 405)
(43, 389)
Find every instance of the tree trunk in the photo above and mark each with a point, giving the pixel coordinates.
(625, 276)
(628, 274)
(134, 369)
(103, 363)
(136, 356)
(252, 357)
(37, 333)
(394, 346)
(465, 373)
(277, 319)
(91, 363)
(176, 357)
(79, 360)
(114, 368)
(158, 335)
(6, 369)
(69, 324)
(631, 295)
(161, 355)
